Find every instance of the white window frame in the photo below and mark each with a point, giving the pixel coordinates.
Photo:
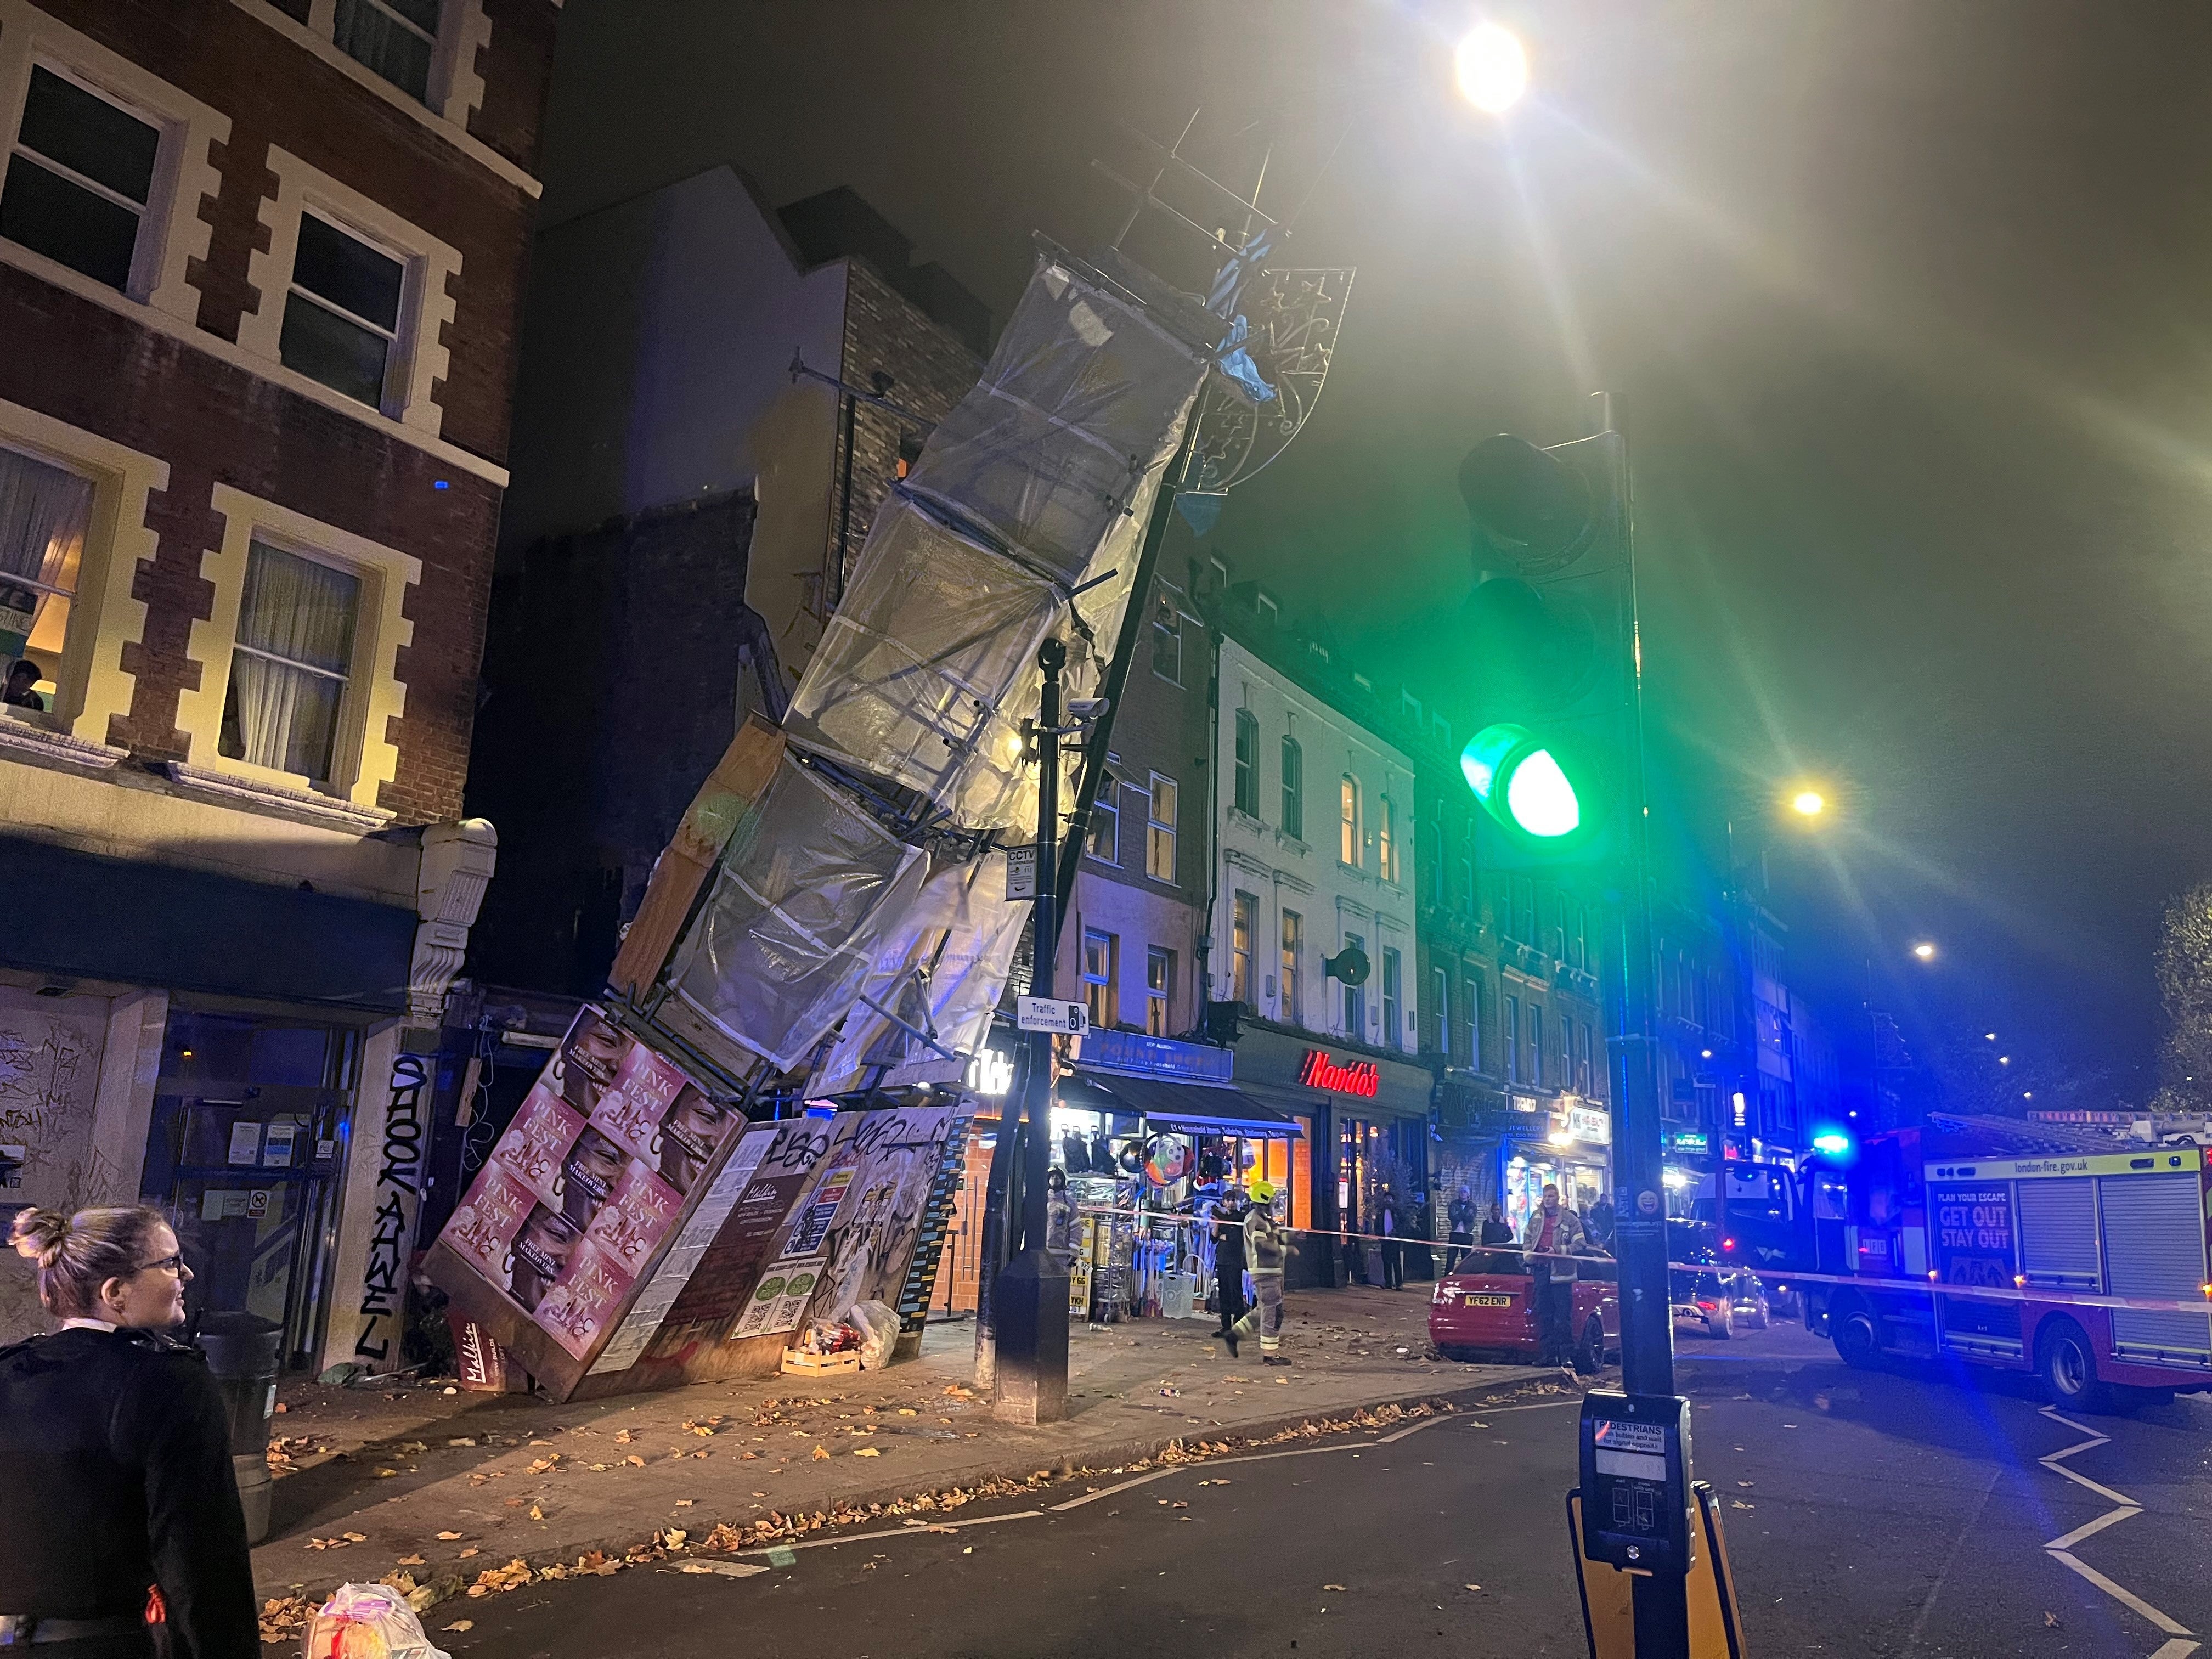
(456, 89)
(1349, 830)
(1244, 763)
(1105, 809)
(1167, 624)
(1244, 959)
(91, 686)
(172, 236)
(1291, 758)
(419, 360)
(1108, 993)
(1440, 987)
(1160, 832)
(1159, 999)
(364, 758)
(1290, 953)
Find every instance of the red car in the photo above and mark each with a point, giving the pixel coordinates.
(1489, 1308)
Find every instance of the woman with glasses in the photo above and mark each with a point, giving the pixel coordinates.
(117, 1496)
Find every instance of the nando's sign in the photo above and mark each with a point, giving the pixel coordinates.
(1361, 1076)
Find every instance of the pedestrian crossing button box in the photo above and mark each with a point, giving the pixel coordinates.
(1636, 1480)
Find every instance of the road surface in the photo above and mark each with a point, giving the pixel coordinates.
(1898, 1513)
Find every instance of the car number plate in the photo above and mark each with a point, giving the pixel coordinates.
(1490, 1302)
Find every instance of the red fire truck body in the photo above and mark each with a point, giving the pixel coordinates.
(2080, 1238)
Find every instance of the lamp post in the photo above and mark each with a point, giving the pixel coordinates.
(1029, 1301)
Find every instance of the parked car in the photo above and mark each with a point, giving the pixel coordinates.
(1717, 1302)
(1489, 1310)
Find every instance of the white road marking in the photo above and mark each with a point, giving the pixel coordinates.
(1108, 1492)
(2060, 1549)
(895, 1532)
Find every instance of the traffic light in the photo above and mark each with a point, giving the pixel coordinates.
(1549, 653)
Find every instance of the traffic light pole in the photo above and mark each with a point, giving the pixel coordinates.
(1030, 1302)
(1647, 1325)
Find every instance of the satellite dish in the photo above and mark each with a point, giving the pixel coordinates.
(1532, 509)
(1349, 965)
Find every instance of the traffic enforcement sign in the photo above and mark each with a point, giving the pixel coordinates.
(1049, 1014)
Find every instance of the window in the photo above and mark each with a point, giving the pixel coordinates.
(1584, 1074)
(1167, 640)
(1440, 1009)
(1270, 612)
(1159, 989)
(79, 179)
(1244, 918)
(1466, 884)
(1355, 996)
(341, 319)
(1473, 1023)
(1246, 768)
(1104, 840)
(1294, 951)
(1294, 790)
(1409, 706)
(290, 663)
(396, 38)
(1347, 840)
(1524, 909)
(1536, 1044)
(1394, 1033)
(44, 511)
(1160, 830)
(1101, 952)
(1386, 842)
(1512, 1029)
(1432, 866)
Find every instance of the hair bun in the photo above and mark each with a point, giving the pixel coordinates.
(39, 1234)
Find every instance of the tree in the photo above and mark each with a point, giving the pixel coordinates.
(2185, 989)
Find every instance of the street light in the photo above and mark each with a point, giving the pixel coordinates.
(1492, 67)
(1924, 951)
(1809, 803)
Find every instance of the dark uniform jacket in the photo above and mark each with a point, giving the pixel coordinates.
(115, 1474)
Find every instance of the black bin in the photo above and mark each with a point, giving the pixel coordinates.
(242, 1350)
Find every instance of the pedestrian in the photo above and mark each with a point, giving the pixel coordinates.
(1267, 1249)
(1228, 1234)
(22, 692)
(1553, 1238)
(1394, 1242)
(1461, 1216)
(1599, 1224)
(115, 1456)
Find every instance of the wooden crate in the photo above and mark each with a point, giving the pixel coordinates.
(821, 1364)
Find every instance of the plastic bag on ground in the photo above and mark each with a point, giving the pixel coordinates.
(368, 1621)
(879, 1323)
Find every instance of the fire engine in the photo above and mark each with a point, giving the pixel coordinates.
(2090, 1252)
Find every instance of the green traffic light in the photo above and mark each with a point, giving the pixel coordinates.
(1521, 783)
(1540, 798)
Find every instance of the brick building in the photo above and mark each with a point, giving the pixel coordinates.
(684, 512)
(260, 268)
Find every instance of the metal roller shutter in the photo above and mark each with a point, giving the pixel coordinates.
(2058, 1232)
(2155, 1247)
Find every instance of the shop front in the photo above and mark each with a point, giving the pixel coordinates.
(1570, 1145)
(1363, 1118)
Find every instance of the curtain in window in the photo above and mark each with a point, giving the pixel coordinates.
(43, 514)
(373, 38)
(282, 714)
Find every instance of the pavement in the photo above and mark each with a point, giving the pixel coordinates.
(1908, 1513)
(442, 1486)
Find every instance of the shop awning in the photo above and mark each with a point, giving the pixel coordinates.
(1197, 1108)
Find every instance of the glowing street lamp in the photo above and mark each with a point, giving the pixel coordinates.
(1492, 67)
(1809, 803)
(1924, 951)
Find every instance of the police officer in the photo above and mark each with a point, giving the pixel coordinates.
(115, 1456)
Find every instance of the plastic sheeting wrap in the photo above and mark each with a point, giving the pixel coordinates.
(961, 933)
(928, 641)
(785, 938)
(1056, 456)
(1083, 401)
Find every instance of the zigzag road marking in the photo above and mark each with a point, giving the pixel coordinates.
(2061, 1548)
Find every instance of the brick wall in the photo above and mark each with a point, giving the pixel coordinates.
(931, 372)
(212, 422)
(612, 678)
(94, 368)
(275, 92)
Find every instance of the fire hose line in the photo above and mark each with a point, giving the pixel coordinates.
(2050, 1295)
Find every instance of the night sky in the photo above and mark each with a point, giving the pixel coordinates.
(1907, 308)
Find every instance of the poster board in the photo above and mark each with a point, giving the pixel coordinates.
(571, 1212)
(630, 1231)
